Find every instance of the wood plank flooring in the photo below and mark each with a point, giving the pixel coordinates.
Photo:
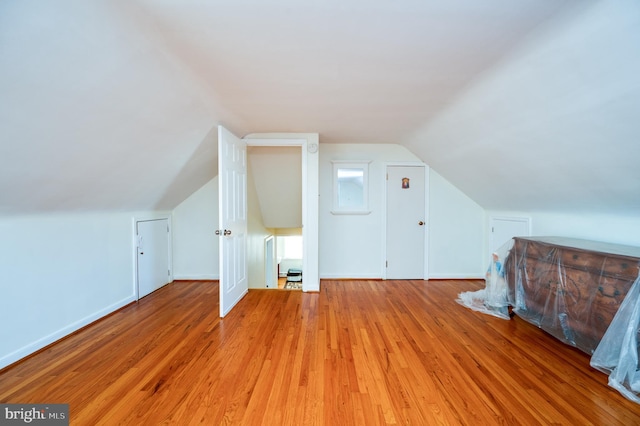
(356, 353)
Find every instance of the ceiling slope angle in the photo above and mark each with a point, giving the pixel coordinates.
(111, 105)
(553, 126)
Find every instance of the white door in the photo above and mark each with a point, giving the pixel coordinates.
(406, 217)
(232, 203)
(505, 228)
(153, 255)
(270, 273)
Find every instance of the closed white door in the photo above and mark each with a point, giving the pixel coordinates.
(406, 227)
(504, 229)
(153, 255)
(232, 202)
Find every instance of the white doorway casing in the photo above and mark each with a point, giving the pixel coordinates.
(406, 221)
(310, 183)
(270, 269)
(153, 255)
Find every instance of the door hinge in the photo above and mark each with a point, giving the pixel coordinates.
(386, 264)
(168, 272)
(167, 228)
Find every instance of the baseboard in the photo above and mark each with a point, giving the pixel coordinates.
(453, 276)
(196, 277)
(350, 277)
(63, 332)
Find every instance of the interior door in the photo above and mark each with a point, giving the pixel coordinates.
(505, 228)
(232, 202)
(405, 222)
(153, 255)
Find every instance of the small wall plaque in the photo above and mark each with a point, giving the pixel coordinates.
(405, 183)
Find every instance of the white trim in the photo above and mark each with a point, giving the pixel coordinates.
(147, 218)
(526, 219)
(427, 222)
(197, 277)
(63, 332)
(350, 277)
(352, 164)
(277, 142)
(523, 219)
(309, 220)
(273, 272)
(455, 276)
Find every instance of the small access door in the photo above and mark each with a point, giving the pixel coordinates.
(153, 255)
(232, 202)
(406, 217)
(505, 228)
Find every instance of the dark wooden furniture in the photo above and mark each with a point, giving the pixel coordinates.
(568, 287)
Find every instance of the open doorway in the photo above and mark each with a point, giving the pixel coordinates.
(289, 258)
(274, 216)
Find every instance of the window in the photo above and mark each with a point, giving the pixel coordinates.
(350, 187)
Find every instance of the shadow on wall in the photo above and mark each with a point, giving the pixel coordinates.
(200, 168)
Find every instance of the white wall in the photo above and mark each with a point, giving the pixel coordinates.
(61, 272)
(456, 232)
(195, 245)
(351, 246)
(277, 172)
(256, 234)
(618, 229)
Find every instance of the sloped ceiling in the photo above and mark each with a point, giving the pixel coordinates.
(277, 176)
(114, 104)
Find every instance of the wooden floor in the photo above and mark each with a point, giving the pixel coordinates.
(357, 353)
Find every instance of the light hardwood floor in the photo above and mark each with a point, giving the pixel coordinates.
(357, 353)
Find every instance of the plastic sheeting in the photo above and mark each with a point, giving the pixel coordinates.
(618, 351)
(584, 293)
(570, 288)
(492, 299)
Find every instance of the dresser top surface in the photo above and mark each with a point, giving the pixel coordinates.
(588, 245)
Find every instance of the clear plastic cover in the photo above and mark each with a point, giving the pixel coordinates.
(492, 299)
(618, 351)
(584, 293)
(570, 288)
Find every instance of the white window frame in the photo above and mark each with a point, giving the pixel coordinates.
(351, 164)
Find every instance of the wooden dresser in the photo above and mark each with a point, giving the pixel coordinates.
(568, 287)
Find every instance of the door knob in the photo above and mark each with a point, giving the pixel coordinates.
(421, 223)
(217, 232)
(227, 232)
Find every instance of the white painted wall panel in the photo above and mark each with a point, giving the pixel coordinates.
(456, 240)
(61, 272)
(195, 245)
(351, 246)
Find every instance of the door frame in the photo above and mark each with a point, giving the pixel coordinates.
(388, 164)
(134, 239)
(311, 281)
(270, 267)
(525, 220)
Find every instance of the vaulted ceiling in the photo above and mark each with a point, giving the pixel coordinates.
(113, 104)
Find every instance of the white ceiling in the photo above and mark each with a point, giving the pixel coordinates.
(522, 105)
